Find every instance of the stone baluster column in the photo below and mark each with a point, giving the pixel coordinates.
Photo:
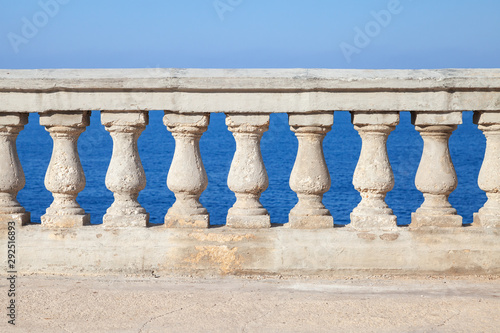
(125, 176)
(436, 177)
(373, 176)
(247, 176)
(187, 177)
(11, 172)
(489, 176)
(310, 178)
(65, 177)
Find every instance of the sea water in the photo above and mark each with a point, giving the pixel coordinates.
(342, 146)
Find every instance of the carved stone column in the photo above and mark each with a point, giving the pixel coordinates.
(11, 172)
(373, 176)
(247, 176)
(125, 176)
(187, 177)
(489, 176)
(436, 177)
(310, 178)
(65, 177)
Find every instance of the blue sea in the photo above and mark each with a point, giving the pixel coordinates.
(342, 146)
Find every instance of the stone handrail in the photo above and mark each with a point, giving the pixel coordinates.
(249, 90)
(63, 98)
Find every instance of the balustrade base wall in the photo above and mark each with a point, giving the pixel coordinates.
(382, 222)
(95, 250)
(134, 220)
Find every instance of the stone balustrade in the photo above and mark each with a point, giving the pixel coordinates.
(63, 98)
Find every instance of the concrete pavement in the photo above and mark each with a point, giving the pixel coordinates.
(252, 304)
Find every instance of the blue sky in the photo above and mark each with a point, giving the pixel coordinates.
(249, 33)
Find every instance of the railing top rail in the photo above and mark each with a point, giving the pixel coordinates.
(249, 90)
(177, 79)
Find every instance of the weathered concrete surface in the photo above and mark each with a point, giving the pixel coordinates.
(343, 304)
(225, 251)
(249, 90)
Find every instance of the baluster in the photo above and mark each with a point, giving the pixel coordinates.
(247, 176)
(125, 176)
(187, 177)
(11, 172)
(310, 178)
(489, 176)
(373, 176)
(65, 177)
(436, 177)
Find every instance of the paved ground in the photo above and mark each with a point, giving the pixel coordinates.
(374, 304)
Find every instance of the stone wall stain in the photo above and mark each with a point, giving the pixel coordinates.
(222, 256)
